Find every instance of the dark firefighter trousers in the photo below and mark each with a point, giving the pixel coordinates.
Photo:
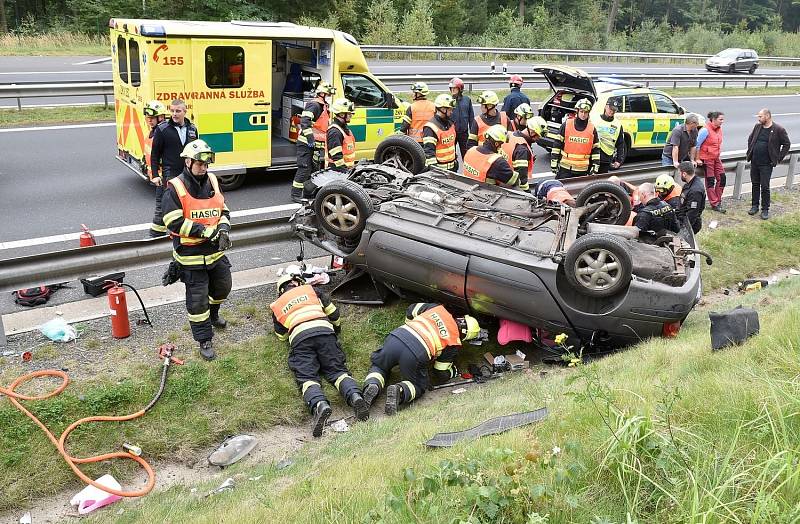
(413, 368)
(320, 355)
(308, 162)
(157, 228)
(206, 289)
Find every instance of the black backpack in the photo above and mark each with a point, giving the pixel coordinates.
(35, 296)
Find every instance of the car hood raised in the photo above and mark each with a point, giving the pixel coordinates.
(567, 78)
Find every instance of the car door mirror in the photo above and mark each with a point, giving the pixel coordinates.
(390, 101)
(681, 110)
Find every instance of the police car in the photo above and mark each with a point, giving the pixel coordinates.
(647, 115)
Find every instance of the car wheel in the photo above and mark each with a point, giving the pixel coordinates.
(230, 182)
(732, 68)
(598, 265)
(752, 69)
(342, 208)
(403, 151)
(618, 203)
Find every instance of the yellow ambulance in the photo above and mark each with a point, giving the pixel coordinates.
(244, 84)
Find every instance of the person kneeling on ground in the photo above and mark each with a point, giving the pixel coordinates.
(554, 191)
(430, 334)
(310, 321)
(655, 215)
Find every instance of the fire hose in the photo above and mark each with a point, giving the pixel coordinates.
(165, 352)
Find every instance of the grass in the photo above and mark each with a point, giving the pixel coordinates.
(55, 115)
(56, 43)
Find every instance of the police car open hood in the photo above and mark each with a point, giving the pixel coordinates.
(567, 78)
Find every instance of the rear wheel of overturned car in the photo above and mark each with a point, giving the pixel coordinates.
(598, 265)
(617, 209)
(342, 208)
(402, 151)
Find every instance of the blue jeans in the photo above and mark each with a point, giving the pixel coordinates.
(666, 160)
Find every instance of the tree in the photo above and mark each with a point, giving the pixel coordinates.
(417, 26)
(381, 27)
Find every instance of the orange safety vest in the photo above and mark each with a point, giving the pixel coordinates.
(483, 126)
(558, 194)
(676, 191)
(507, 152)
(205, 211)
(712, 146)
(421, 112)
(298, 305)
(320, 126)
(348, 147)
(235, 72)
(477, 164)
(435, 329)
(148, 151)
(577, 150)
(445, 144)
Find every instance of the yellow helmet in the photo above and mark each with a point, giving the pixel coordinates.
(498, 133)
(488, 98)
(470, 329)
(537, 125)
(664, 183)
(341, 106)
(583, 105)
(286, 278)
(524, 110)
(198, 150)
(421, 88)
(444, 100)
(324, 88)
(155, 108)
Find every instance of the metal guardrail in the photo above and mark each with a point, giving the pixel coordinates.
(20, 91)
(567, 53)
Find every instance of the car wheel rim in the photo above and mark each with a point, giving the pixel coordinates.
(340, 212)
(598, 269)
(399, 156)
(613, 206)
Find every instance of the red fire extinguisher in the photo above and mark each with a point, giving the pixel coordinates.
(87, 238)
(120, 325)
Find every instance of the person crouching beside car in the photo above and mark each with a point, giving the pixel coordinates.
(655, 215)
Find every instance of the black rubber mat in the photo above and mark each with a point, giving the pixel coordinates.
(490, 427)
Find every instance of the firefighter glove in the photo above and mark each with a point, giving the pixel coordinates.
(172, 274)
(208, 232)
(224, 240)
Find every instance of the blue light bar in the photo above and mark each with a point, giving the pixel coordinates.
(152, 30)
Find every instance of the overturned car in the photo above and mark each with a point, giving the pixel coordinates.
(498, 252)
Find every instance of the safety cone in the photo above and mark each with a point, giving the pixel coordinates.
(86, 238)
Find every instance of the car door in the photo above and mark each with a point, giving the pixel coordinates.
(639, 115)
(373, 120)
(741, 62)
(667, 115)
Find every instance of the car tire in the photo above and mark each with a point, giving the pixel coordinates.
(598, 265)
(406, 151)
(342, 208)
(230, 182)
(732, 68)
(752, 69)
(619, 209)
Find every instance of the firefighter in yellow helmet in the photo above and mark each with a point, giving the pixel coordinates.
(489, 116)
(340, 143)
(485, 164)
(518, 150)
(576, 147)
(669, 191)
(439, 136)
(199, 222)
(521, 115)
(311, 138)
(418, 113)
(309, 320)
(431, 334)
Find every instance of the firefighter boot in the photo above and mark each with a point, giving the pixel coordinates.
(321, 413)
(216, 320)
(207, 350)
(371, 391)
(394, 397)
(359, 405)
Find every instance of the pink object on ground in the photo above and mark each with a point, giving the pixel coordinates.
(511, 331)
(91, 498)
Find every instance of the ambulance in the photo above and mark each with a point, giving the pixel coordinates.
(245, 85)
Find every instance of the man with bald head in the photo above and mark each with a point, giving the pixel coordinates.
(655, 215)
(767, 145)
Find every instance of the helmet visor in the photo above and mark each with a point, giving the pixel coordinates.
(205, 156)
(150, 111)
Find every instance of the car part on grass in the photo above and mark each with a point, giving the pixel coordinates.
(232, 450)
(490, 427)
(165, 352)
(91, 498)
(733, 327)
(228, 485)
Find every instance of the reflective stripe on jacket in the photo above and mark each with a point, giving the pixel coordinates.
(577, 150)
(435, 329)
(347, 149)
(445, 144)
(608, 134)
(507, 152)
(299, 309)
(205, 211)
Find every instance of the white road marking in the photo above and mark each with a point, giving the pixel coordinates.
(733, 97)
(52, 128)
(52, 72)
(784, 114)
(94, 61)
(15, 244)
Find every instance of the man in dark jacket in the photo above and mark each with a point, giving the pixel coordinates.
(767, 145)
(515, 97)
(655, 215)
(693, 196)
(169, 139)
(463, 114)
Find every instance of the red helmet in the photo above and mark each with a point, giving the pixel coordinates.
(456, 82)
(515, 79)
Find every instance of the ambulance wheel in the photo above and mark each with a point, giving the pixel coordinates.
(230, 182)
(598, 265)
(342, 208)
(617, 210)
(403, 151)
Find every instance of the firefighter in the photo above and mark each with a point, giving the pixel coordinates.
(576, 148)
(199, 222)
(169, 139)
(515, 97)
(154, 113)
(463, 113)
(439, 136)
(668, 190)
(612, 139)
(311, 138)
(521, 115)
(489, 117)
(554, 191)
(484, 164)
(419, 112)
(306, 317)
(655, 215)
(517, 151)
(340, 142)
(430, 334)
